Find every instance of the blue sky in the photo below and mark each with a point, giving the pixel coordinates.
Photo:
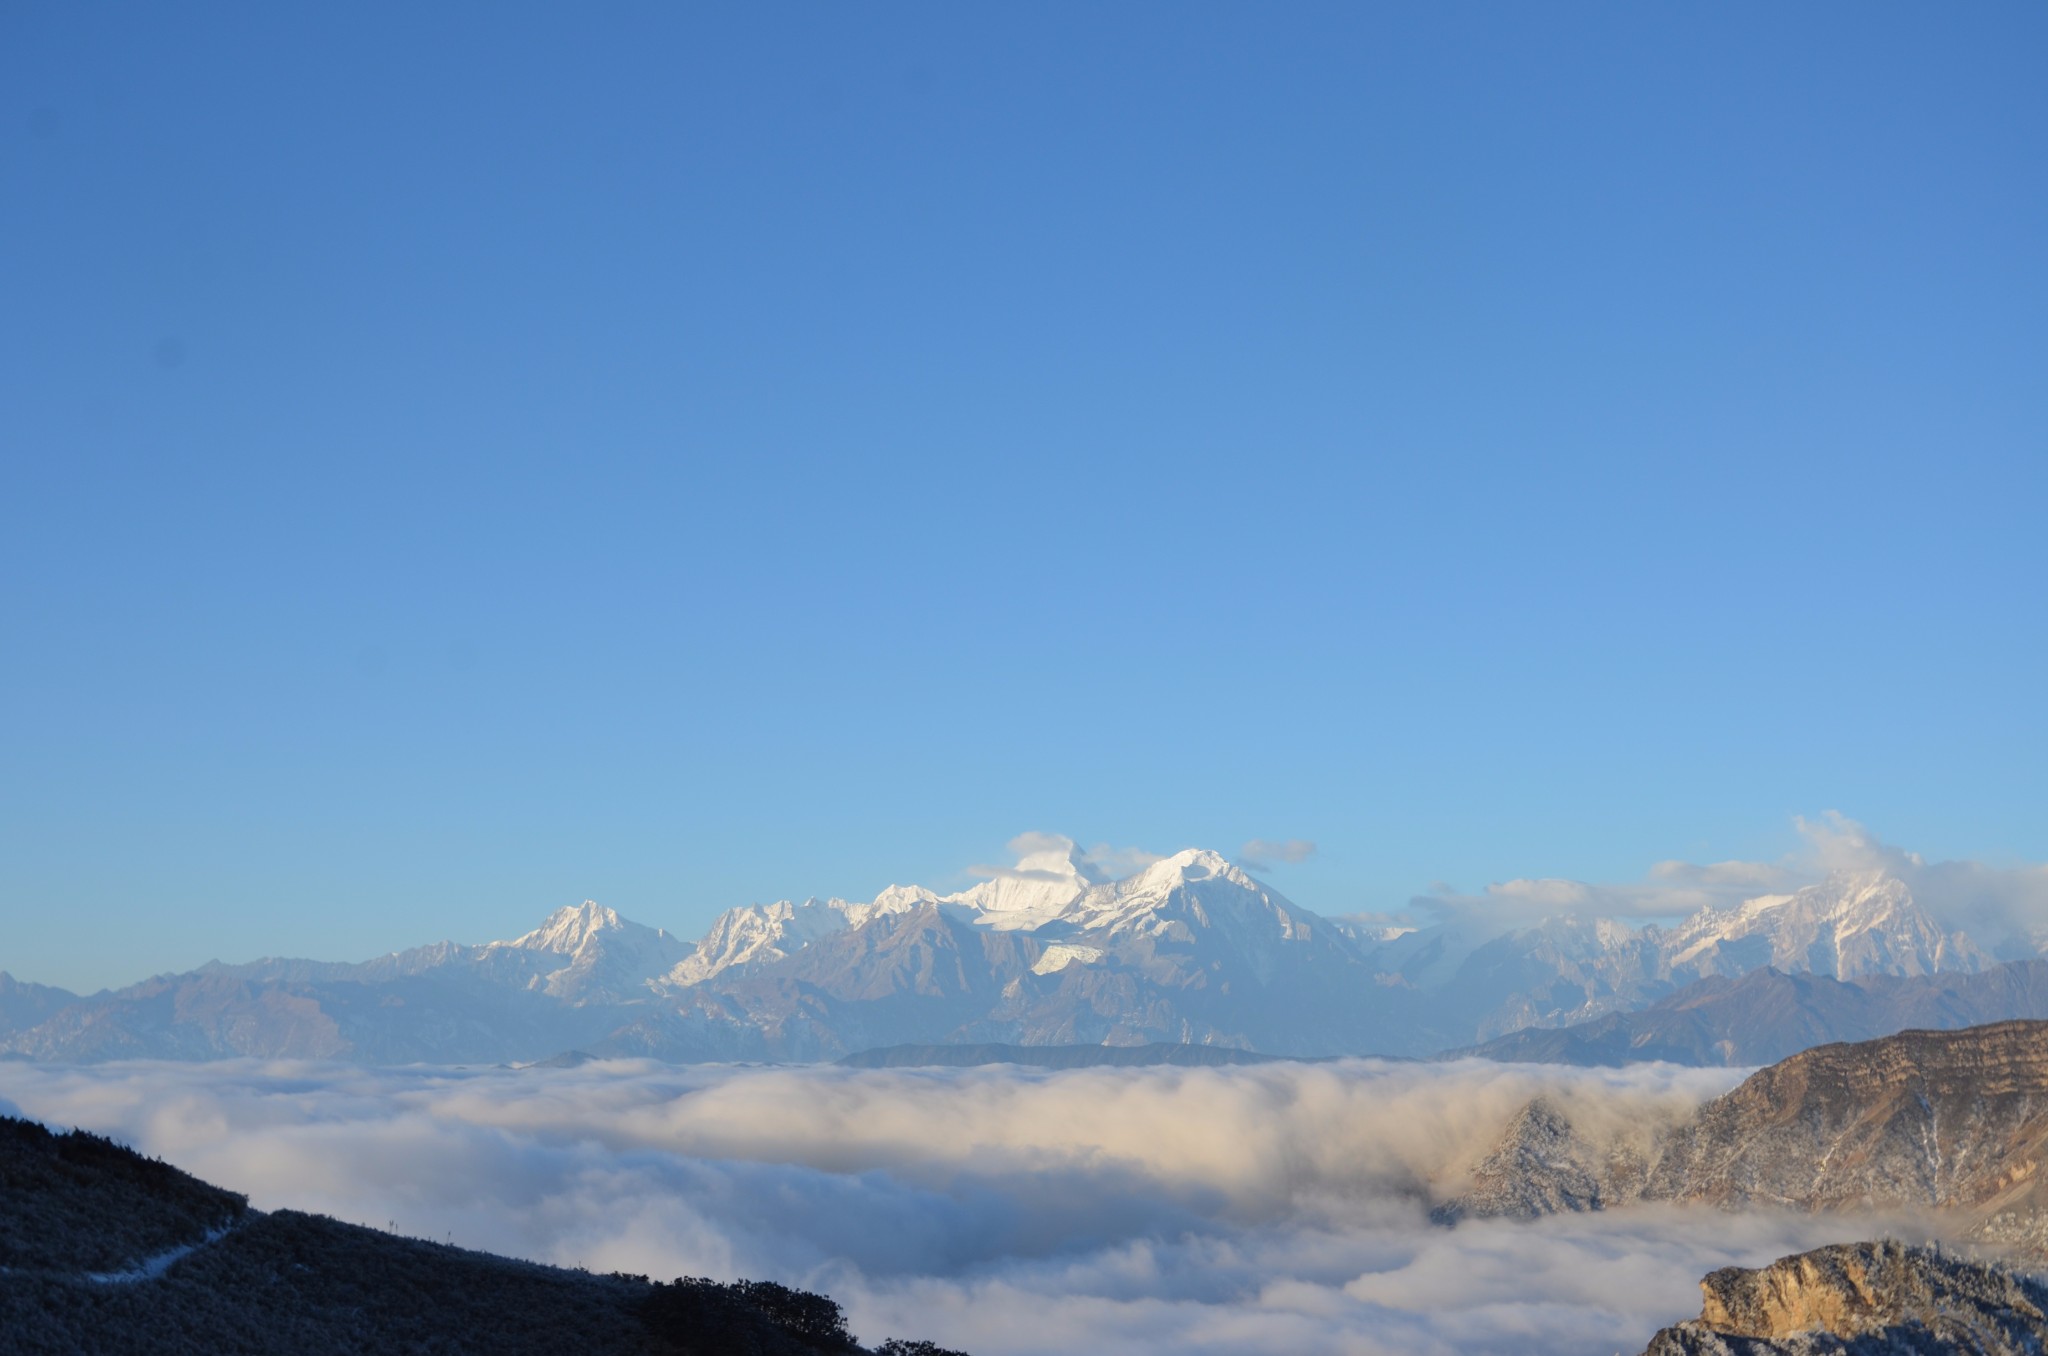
(457, 463)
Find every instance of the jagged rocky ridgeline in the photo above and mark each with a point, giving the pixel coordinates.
(1188, 950)
(1864, 1299)
(1954, 1122)
(102, 1250)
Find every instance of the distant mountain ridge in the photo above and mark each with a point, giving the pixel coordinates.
(1766, 1015)
(1569, 969)
(1056, 1056)
(1188, 950)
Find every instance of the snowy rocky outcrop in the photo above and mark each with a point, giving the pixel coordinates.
(759, 934)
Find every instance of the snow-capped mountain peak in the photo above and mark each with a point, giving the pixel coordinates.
(569, 929)
(1043, 883)
(1193, 864)
(760, 932)
(586, 952)
(1849, 925)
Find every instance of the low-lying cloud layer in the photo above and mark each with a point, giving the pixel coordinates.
(1265, 1208)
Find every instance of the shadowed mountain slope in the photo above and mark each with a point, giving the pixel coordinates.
(27, 1005)
(104, 1251)
(79, 1203)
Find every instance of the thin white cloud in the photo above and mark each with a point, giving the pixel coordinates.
(2004, 908)
(988, 872)
(1103, 860)
(1835, 842)
(1118, 862)
(1031, 842)
(1004, 1212)
(1670, 891)
(1262, 854)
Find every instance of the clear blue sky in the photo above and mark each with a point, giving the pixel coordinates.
(459, 460)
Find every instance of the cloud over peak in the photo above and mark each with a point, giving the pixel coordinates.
(1262, 854)
(1103, 861)
(2005, 908)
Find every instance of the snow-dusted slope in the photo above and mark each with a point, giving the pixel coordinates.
(586, 953)
(760, 933)
(1571, 969)
(1186, 949)
(1849, 925)
(1035, 891)
(1043, 884)
(1054, 893)
(1193, 898)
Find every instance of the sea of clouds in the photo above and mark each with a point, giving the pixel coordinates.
(1004, 1211)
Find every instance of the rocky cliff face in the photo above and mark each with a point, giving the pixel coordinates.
(1955, 1121)
(1544, 1167)
(1863, 1298)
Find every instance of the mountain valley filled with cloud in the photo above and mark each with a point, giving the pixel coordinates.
(998, 1210)
(502, 1096)
(915, 679)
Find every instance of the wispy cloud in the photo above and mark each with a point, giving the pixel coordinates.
(1103, 860)
(1117, 862)
(1261, 854)
(1671, 890)
(2004, 908)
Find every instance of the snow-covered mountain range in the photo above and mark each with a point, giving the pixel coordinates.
(1187, 949)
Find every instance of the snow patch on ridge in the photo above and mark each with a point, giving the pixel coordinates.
(1060, 955)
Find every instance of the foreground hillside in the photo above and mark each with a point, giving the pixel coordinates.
(104, 1251)
(1950, 1127)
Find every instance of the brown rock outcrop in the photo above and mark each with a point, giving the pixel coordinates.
(1863, 1298)
(1954, 1121)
